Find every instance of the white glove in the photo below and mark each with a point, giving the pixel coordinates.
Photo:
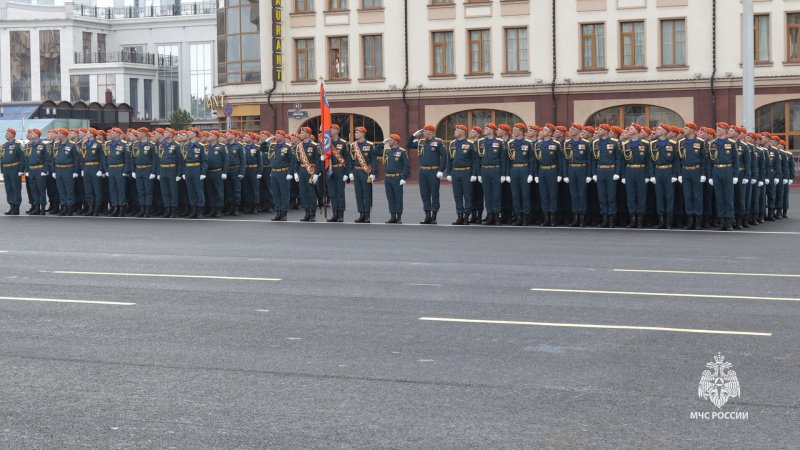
(313, 179)
(480, 179)
(133, 174)
(158, 177)
(54, 175)
(152, 176)
(623, 180)
(449, 178)
(350, 177)
(680, 179)
(439, 175)
(752, 181)
(418, 132)
(760, 183)
(566, 180)
(530, 179)
(81, 174)
(44, 174)
(258, 177)
(536, 179)
(345, 178)
(711, 182)
(653, 180)
(202, 177)
(289, 177)
(473, 179)
(322, 158)
(26, 174)
(74, 175)
(673, 179)
(735, 181)
(99, 174)
(241, 176)
(508, 179)
(177, 178)
(776, 180)
(615, 177)
(559, 178)
(588, 180)
(124, 175)
(402, 182)
(502, 180)
(786, 181)
(2, 178)
(224, 176)
(372, 178)
(767, 181)
(745, 181)
(183, 176)
(594, 178)
(702, 178)
(297, 178)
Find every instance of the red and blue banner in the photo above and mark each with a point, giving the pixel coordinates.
(326, 130)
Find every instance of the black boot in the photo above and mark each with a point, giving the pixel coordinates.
(399, 218)
(270, 207)
(722, 225)
(473, 217)
(737, 222)
(427, 220)
(661, 223)
(217, 212)
(312, 217)
(35, 212)
(341, 216)
(745, 221)
(167, 212)
(689, 223)
(173, 212)
(604, 222)
(70, 210)
(366, 217)
(546, 222)
(669, 222)
(284, 215)
(554, 221)
(517, 221)
(574, 222)
(392, 219)
(770, 215)
(96, 210)
(194, 213)
(526, 220)
(10, 210)
(581, 220)
(252, 209)
(785, 214)
(433, 217)
(277, 217)
(728, 222)
(612, 220)
(147, 212)
(335, 216)
(459, 220)
(307, 216)
(32, 209)
(42, 210)
(361, 216)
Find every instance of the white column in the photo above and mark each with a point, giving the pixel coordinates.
(748, 63)
(36, 78)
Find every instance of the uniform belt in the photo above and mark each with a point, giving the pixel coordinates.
(722, 166)
(234, 167)
(741, 168)
(144, 166)
(462, 168)
(393, 174)
(428, 167)
(63, 166)
(192, 164)
(607, 166)
(578, 165)
(11, 164)
(167, 166)
(251, 166)
(636, 166)
(491, 167)
(114, 166)
(691, 167)
(664, 166)
(214, 170)
(35, 167)
(357, 167)
(338, 165)
(519, 165)
(549, 167)
(91, 163)
(282, 169)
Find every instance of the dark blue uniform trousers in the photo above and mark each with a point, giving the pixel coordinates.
(38, 185)
(607, 191)
(280, 187)
(429, 189)
(723, 190)
(66, 185)
(577, 188)
(520, 190)
(215, 189)
(462, 191)
(308, 191)
(144, 187)
(194, 186)
(363, 190)
(636, 190)
(491, 189)
(91, 185)
(13, 183)
(116, 186)
(394, 193)
(169, 187)
(336, 189)
(665, 192)
(548, 189)
(692, 192)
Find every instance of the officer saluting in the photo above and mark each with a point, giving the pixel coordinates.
(12, 162)
(432, 157)
(397, 168)
(462, 171)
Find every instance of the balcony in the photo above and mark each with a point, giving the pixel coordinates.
(115, 57)
(185, 9)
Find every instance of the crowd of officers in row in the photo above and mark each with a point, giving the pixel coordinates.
(522, 175)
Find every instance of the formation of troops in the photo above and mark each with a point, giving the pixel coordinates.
(692, 177)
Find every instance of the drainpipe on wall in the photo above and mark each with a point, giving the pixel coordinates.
(713, 59)
(553, 84)
(269, 102)
(405, 86)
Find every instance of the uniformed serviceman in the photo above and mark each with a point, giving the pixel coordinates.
(692, 172)
(281, 159)
(307, 172)
(606, 168)
(195, 164)
(397, 168)
(168, 159)
(477, 189)
(216, 173)
(266, 204)
(12, 162)
(117, 162)
(36, 166)
(519, 174)
(93, 167)
(788, 178)
(635, 168)
(782, 174)
(547, 172)
(65, 170)
(432, 158)
(757, 180)
(752, 170)
(235, 174)
(722, 155)
(339, 162)
(506, 199)
(743, 176)
(143, 156)
(576, 156)
(462, 171)
(252, 173)
(491, 154)
(663, 173)
(364, 168)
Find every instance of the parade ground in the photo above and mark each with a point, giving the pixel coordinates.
(245, 333)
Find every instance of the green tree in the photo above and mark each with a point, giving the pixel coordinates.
(180, 119)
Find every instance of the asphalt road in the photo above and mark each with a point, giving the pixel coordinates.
(292, 335)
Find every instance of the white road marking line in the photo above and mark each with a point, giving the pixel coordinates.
(609, 327)
(57, 300)
(664, 294)
(687, 272)
(210, 277)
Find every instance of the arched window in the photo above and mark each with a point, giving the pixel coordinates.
(348, 122)
(474, 118)
(646, 115)
(783, 120)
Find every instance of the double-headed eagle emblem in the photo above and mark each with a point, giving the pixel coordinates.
(719, 385)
